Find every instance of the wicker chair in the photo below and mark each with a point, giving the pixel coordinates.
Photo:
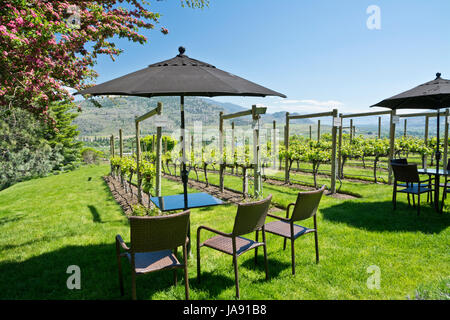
(408, 173)
(445, 187)
(405, 161)
(304, 208)
(152, 242)
(250, 217)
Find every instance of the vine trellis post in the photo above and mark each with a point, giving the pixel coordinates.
(156, 111)
(255, 112)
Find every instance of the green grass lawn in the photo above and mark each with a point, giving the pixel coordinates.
(51, 223)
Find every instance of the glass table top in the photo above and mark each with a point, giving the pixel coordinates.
(442, 172)
(176, 202)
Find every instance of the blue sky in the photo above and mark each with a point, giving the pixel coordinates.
(319, 53)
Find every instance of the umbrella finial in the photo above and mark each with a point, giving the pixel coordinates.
(181, 50)
(438, 75)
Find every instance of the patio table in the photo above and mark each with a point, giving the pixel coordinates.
(430, 172)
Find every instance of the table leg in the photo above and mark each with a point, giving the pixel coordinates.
(436, 192)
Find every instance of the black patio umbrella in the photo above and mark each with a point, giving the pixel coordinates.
(181, 76)
(433, 94)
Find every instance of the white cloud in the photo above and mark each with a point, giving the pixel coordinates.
(304, 106)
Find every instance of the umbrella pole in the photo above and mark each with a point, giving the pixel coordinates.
(438, 158)
(184, 176)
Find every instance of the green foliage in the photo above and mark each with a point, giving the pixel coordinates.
(62, 136)
(24, 153)
(30, 147)
(141, 211)
(91, 155)
(148, 172)
(147, 142)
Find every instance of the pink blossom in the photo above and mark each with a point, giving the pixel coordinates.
(19, 21)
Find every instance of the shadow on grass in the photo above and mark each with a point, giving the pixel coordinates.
(45, 277)
(95, 215)
(213, 283)
(9, 219)
(380, 216)
(275, 267)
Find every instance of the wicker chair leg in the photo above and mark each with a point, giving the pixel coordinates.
(133, 285)
(444, 196)
(186, 277)
(293, 255)
(236, 275)
(175, 277)
(266, 267)
(119, 264)
(256, 249)
(198, 258)
(394, 198)
(418, 204)
(316, 240)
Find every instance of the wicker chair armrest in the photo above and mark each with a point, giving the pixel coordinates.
(277, 217)
(214, 231)
(287, 209)
(121, 243)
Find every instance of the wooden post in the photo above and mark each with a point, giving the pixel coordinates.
(257, 164)
(310, 132)
(318, 130)
(351, 130)
(158, 161)
(404, 129)
(153, 143)
(427, 122)
(274, 145)
(340, 148)
(445, 159)
(391, 144)
(333, 153)
(233, 146)
(138, 156)
(221, 178)
(112, 146)
(121, 143)
(111, 152)
(286, 146)
(379, 127)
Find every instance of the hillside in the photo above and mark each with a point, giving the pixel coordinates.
(119, 112)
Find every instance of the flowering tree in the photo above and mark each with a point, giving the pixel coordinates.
(48, 45)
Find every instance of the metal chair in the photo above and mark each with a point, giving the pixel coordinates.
(304, 208)
(152, 242)
(250, 217)
(405, 161)
(408, 174)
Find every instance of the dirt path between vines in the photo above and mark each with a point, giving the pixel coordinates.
(127, 198)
